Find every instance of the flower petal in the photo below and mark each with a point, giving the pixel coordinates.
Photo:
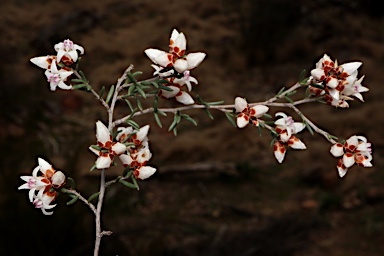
(240, 104)
(180, 65)
(279, 151)
(242, 120)
(194, 59)
(185, 98)
(159, 57)
(348, 160)
(118, 148)
(103, 162)
(145, 172)
(260, 110)
(102, 133)
(337, 150)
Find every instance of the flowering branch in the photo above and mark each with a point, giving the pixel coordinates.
(329, 83)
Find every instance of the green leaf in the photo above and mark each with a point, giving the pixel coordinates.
(71, 182)
(127, 184)
(101, 93)
(267, 115)
(96, 147)
(165, 88)
(321, 101)
(273, 141)
(93, 168)
(259, 130)
(139, 104)
(79, 86)
(309, 128)
(281, 91)
(289, 99)
(131, 89)
(291, 93)
(135, 182)
(161, 112)
(127, 172)
(133, 124)
(156, 85)
(81, 73)
(158, 121)
(76, 80)
(74, 199)
(93, 196)
(214, 103)
(110, 93)
(176, 120)
(208, 113)
(142, 93)
(137, 73)
(230, 118)
(190, 119)
(302, 75)
(129, 105)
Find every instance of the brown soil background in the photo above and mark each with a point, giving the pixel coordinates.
(241, 202)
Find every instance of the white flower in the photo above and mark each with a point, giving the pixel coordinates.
(108, 148)
(286, 123)
(248, 114)
(56, 78)
(339, 81)
(45, 185)
(176, 57)
(355, 150)
(286, 128)
(187, 79)
(69, 50)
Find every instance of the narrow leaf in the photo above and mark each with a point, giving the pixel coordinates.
(289, 99)
(129, 105)
(71, 182)
(127, 184)
(139, 104)
(133, 124)
(110, 93)
(158, 121)
(101, 93)
(230, 118)
(74, 199)
(135, 182)
(93, 196)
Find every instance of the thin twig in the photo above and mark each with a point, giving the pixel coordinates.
(313, 126)
(85, 201)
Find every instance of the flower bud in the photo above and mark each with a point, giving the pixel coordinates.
(58, 179)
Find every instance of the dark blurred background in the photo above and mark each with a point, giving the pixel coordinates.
(218, 190)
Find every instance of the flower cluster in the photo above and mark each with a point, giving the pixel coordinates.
(174, 66)
(286, 129)
(138, 154)
(57, 67)
(131, 147)
(43, 188)
(337, 83)
(354, 150)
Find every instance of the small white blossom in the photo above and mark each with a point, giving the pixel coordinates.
(57, 78)
(286, 129)
(355, 150)
(108, 148)
(248, 114)
(69, 50)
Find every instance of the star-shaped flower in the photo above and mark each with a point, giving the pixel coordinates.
(355, 150)
(175, 58)
(57, 78)
(45, 184)
(248, 114)
(286, 128)
(67, 52)
(107, 149)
